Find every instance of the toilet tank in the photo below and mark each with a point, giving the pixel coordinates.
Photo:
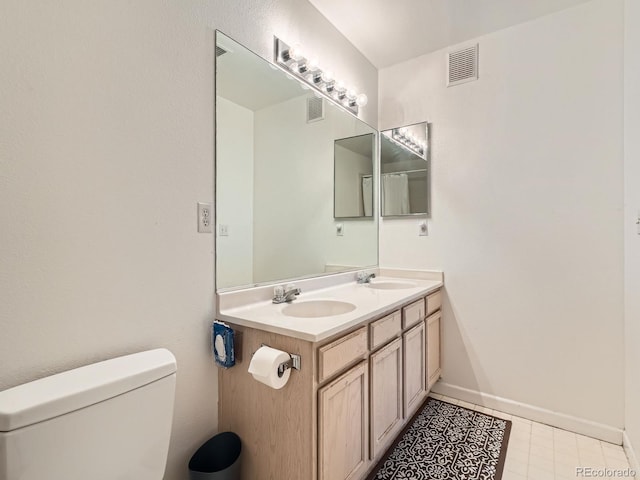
(106, 421)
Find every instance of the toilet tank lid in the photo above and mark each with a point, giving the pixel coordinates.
(68, 391)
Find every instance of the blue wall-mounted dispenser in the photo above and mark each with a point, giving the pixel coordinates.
(223, 344)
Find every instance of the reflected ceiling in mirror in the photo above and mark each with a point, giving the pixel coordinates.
(275, 144)
(404, 171)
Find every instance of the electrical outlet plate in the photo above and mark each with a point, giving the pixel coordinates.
(205, 218)
(223, 230)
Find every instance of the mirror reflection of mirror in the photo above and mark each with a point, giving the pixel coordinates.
(275, 144)
(404, 174)
(353, 176)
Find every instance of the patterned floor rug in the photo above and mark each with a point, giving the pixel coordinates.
(447, 442)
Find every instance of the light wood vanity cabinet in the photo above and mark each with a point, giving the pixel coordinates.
(415, 381)
(343, 426)
(336, 416)
(433, 348)
(386, 396)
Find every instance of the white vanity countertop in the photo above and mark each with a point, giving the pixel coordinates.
(369, 302)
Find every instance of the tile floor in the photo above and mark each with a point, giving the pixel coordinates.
(540, 452)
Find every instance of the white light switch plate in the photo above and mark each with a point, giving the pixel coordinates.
(423, 231)
(339, 229)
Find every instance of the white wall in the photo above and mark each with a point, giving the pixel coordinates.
(107, 146)
(234, 208)
(294, 228)
(527, 210)
(631, 214)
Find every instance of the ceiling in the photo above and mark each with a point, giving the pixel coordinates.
(361, 144)
(389, 32)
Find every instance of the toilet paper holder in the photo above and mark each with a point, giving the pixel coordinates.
(293, 362)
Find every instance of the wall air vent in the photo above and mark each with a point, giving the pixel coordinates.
(220, 51)
(315, 109)
(462, 66)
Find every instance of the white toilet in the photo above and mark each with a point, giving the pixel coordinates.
(106, 421)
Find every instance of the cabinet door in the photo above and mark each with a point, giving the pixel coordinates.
(386, 396)
(415, 371)
(433, 348)
(343, 426)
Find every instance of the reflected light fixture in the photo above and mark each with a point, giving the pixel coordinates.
(296, 61)
(409, 141)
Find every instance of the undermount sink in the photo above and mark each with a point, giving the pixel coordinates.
(318, 308)
(391, 284)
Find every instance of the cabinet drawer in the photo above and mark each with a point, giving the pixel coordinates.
(412, 314)
(340, 353)
(434, 302)
(385, 329)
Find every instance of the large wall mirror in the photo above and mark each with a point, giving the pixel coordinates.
(275, 147)
(404, 172)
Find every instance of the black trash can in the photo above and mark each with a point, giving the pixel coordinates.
(217, 459)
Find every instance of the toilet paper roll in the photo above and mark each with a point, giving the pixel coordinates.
(264, 367)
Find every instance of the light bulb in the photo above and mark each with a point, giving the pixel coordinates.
(351, 93)
(327, 76)
(362, 100)
(403, 130)
(340, 87)
(294, 67)
(313, 64)
(296, 52)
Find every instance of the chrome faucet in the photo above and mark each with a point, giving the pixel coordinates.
(364, 277)
(285, 296)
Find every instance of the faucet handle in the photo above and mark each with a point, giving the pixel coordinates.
(278, 291)
(364, 277)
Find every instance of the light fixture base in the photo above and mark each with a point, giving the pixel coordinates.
(282, 57)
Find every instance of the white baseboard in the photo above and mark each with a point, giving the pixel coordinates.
(531, 412)
(631, 454)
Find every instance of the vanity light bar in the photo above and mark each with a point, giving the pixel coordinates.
(295, 61)
(407, 140)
